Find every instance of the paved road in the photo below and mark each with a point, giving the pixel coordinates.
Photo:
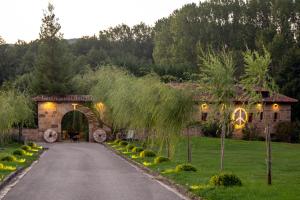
(86, 171)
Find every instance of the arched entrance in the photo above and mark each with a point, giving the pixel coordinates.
(52, 109)
(74, 127)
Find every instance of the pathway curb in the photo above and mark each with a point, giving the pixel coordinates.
(179, 188)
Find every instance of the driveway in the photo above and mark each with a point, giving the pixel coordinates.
(86, 171)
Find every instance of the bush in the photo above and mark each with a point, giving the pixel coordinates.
(286, 132)
(117, 141)
(210, 129)
(19, 152)
(123, 143)
(250, 132)
(137, 149)
(129, 147)
(1, 166)
(185, 167)
(9, 158)
(226, 180)
(26, 147)
(160, 159)
(32, 145)
(147, 153)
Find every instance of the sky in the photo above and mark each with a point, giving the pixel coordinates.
(21, 19)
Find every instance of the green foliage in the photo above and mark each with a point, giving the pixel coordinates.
(19, 152)
(160, 159)
(250, 132)
(147, 153)
(210, 129)
(123, 143)
(137, 149)
(26, 147)
(225, 179)
(9, 158)
(185, 167)
(143, 103)
(287, 132)
(15, 109)
(32, 144)
(129, 147)
(257, 75)
(52, 68)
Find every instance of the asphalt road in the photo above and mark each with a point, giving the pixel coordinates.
(86, 171)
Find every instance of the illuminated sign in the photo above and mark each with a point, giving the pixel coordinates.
(239, 118)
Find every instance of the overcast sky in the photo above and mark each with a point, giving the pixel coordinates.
(21, 19)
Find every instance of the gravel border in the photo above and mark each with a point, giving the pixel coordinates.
(179, 188)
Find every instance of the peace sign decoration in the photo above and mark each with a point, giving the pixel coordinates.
(239, 118)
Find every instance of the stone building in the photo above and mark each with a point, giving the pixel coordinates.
(273, 109)
(52, 109)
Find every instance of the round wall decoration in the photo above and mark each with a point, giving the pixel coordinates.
(50, 135)
(99, 135)
(239, 118)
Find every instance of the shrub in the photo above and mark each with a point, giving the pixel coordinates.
(19, 152)
(286, 132)
(129, 147)
(123, 143)
(26, 147)
(210, 129)
(224, 179)
(117, 141)
(9, 158)
(1, 166)
(250, 132)
(32, 144)
(137, 149)
(160, 159)
(185, 167)
(147, 153)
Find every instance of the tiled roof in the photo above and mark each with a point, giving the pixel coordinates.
(278, 98)
(64, 98)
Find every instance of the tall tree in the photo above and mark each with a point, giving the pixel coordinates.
(53, 63)
(217, 80)
(257, 75)
(2, 41)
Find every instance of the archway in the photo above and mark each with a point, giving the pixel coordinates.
(74, 126)
(52, 109)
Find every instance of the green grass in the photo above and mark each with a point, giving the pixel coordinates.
(8, 150)
(246, 159)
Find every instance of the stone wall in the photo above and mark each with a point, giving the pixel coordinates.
(50, 116)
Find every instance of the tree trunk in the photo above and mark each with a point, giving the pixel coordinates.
(222, 145)
(20, 133)
(168, 148)
(269, 154)
(189, 146)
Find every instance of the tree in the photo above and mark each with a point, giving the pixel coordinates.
(218, 85)
(52, 70)
(2, 41)
(257, 77)
(15, 110)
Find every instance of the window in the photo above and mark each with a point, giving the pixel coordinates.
(204, 116)
(261, 116)
(250, 119)
(275, 116)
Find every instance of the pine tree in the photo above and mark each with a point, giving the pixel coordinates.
(53, 63)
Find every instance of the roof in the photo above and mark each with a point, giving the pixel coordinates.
(198, 96)
(63, 98)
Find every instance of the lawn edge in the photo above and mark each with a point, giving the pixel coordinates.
(156, 175)
(7, 180)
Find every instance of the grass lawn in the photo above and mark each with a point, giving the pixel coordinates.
(245, 159)
(8, 150)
